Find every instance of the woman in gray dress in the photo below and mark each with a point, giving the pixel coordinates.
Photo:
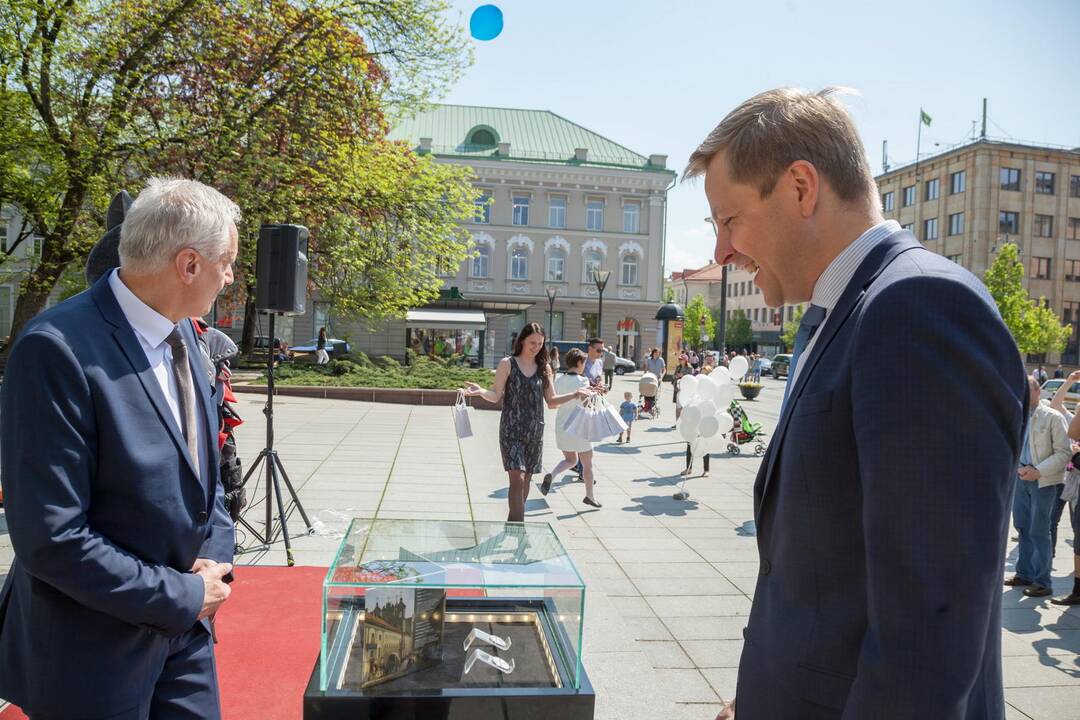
(523, 382)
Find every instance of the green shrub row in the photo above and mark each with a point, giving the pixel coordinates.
(360, 370)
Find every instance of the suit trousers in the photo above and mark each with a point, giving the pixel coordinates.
(1032, 509)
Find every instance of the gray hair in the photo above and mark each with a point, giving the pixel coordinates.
(171, 214)
(767, 133)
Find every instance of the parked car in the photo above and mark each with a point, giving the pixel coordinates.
(780, 365)
(1050, 388)
(623, 366)
(766, 366)
(334, 347)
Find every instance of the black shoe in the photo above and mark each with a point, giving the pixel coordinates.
(545, 487)
(1017, 581)
(1037, 591)
(590, 501)
(1072, 598)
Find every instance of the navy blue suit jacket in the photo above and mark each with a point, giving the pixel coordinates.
(105, 510)
(882, 505)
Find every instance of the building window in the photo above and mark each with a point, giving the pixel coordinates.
(631, 217)
(957, 182)
(1044, 226)
(956, 224)
(1074, 186)
(481, 262)
(1009, 222)
(887, 201)
(629, 269)
(1044, 183)
(556, 265)
(1070, 315)
(594, 214)
(1010, 178)
(933, 189)
(519, 263)
(1074, 229)
(930, 229)
(589, 327)
(483, 208)
(1072, 270)
(4, 236)
(557, 212)
(907, 226)
(1040, 268)
(521, 209)
(593, 260)
(908, 196)
(955, 258)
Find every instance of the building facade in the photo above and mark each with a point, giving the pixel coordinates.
(20, 247)
(969, 201)
(555, 204)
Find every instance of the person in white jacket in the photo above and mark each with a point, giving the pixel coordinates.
(573, 448)
(1043, 458)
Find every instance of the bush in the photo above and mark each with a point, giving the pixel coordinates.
(358, 370)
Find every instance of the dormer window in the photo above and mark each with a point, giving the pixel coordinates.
(481, 137)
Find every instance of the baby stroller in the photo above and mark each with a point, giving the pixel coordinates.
(744, 431)
(648, 387)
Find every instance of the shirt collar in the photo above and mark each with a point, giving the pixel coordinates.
(151, 326)
(832, 283)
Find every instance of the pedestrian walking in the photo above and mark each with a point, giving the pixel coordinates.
(1059, 373)
(658, 367)
(682, 369)
(609, 366)
(523, 382)
(628, 413)
(1040, 375)
(554, 360)
(575, 450)
(321, 356)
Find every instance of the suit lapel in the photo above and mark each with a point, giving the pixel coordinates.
(132, 349)
(202, 382)
(875, 262)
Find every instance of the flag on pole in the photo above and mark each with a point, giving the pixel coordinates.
(924, 117)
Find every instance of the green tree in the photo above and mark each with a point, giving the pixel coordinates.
(669, 294)
(1034, 326)
(791, 327)
(695, 313)
(740, 333)
(95, 93)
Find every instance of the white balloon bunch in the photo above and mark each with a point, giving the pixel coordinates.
(704, 421)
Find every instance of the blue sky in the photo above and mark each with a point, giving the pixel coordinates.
(657, 76)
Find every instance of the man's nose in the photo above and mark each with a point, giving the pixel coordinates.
(723, 250)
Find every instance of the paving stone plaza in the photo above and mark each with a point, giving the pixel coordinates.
(669, 582)
(670, 579)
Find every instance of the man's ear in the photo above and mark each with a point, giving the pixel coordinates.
(187, 265)
(803, 179)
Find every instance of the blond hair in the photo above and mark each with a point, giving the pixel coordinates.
(767, 133)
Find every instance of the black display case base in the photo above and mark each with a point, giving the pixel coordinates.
(452, 703)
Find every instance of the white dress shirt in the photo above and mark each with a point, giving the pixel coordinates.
(151, 328)
(836, 278)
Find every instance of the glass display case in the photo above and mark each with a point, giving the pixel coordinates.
(440, 618)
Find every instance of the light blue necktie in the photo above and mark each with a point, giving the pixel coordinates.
(809, 325)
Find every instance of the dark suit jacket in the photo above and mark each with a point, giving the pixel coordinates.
(105, 511)
(882, 505)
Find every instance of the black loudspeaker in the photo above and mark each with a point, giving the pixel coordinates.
(281, 269)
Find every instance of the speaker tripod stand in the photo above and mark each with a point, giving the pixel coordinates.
(272, 465)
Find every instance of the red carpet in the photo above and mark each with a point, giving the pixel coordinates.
(268, 641)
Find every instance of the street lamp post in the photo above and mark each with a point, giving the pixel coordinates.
(551, 293)
(601, 278)
(721, 331)
(702, 333)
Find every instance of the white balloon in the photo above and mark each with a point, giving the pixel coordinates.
(699, 447)
(709, 426)
(688, 385)
(724, 395)
(708, 408)
(739, 366)
(692, 414)
(720, 376)
(726, 422)
(718, 443)
(706, 389)
(689, 430)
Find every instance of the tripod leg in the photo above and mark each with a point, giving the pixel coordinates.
(263, 539)
(292, 491)
(281, 513)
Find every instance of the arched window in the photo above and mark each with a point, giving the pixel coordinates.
(481, 263)
(556, 265)
(629, 274)
(482, 136)
(593, 261)
(519, 263)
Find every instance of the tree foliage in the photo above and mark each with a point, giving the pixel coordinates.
(791, 328)
(695, 313)
(269, 100)
(1033, 324)
(740, 333)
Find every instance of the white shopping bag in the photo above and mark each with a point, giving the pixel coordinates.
(606, 421)
(461, 417)
(577, 424)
